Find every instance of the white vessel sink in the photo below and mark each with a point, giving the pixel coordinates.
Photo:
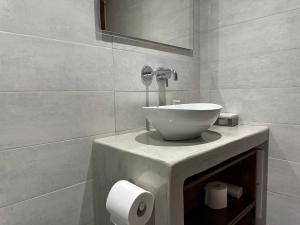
(183, 121)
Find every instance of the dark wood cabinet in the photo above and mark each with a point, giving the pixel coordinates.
(241, 171)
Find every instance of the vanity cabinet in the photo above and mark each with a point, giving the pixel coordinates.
(176, 172)
(239, 170)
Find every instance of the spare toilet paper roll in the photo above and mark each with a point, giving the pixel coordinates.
(129, 204)
(234, 191)
(216, 195)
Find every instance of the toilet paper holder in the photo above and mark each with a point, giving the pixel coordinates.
(129, 204)
(141, 209)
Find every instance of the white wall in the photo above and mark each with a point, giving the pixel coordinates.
(250, 63)
(60, 87)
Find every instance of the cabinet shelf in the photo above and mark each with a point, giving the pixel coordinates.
(236, 210)
(240, 171)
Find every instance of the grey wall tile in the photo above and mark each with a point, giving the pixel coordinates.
(29, 172)
(57, 84)
(123, 43)
(276, 69)
(284, 177)
(183, 96)
(249, 57)
(283, 209)
(205, 44)
(225, 12)
(206, 77)
(273, 105)
(204, 96)
(129, 112)
(203, 14)
(128, 65)
(127, 70)
(39, 117)
(68, 206)
(268, 34)
(58, 19)
(296, 77)
(39, 64)
(285, 142)
(188, 73)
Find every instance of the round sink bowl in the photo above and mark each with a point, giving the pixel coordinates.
(183, 121)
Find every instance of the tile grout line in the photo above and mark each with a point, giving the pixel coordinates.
(48, 193)
(160, 53)
(267, 123)
(153, 91)
(253, 55)
(250, 55)
(92, 91)
(282, 194)
(56, 40)
(146, 44)
(104, 134)
(284, 160)
(120, 132)
(55, 142)
(114, 90)
(58, 91)
(253, 19)
(254, 88)
(155, 52)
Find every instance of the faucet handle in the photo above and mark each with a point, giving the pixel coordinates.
(165, 74)
(147, 74)
(175, 74)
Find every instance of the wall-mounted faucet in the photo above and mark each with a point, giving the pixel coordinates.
(165, 74)
(161, 73)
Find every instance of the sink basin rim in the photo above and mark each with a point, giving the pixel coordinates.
(188, 107)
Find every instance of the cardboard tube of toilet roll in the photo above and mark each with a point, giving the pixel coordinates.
(216, 195)
(234, 191)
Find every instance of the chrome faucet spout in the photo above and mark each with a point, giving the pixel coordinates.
(165, 74)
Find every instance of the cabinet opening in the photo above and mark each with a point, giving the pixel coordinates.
(240, 171)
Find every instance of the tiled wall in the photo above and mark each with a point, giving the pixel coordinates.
(62, 84)
(250, 63)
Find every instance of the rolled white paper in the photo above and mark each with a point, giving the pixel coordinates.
(235, 191)
(129, 204)
(216, 195)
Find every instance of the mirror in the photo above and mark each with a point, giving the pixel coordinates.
(168, 22)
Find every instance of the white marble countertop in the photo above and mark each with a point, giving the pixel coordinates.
(149, 144)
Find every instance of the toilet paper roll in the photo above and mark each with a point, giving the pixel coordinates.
(216, 195)
(129, 204)
(235, 191)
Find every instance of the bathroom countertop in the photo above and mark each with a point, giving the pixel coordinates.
(149, 144)
(162, 167)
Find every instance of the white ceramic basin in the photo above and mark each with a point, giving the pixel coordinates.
(183, 121)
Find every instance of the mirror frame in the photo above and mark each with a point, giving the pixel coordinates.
(103, 30)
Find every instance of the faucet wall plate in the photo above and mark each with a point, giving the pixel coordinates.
(161, 73)
(147, 73)
(165, 74)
